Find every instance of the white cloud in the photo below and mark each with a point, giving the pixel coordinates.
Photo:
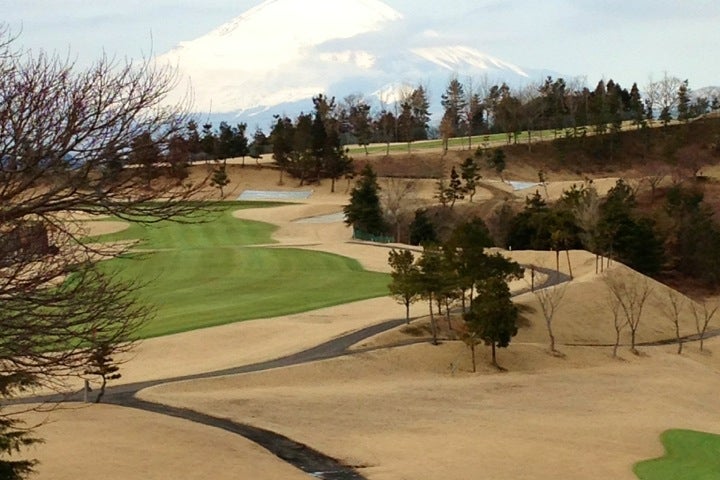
(624, 39)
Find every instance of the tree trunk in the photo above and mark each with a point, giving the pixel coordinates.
(529, 140)
(557, 261)
(632, 339)
(332, 185)
(472, 349)
(447, 314)
(567, 254)
(101, 393)
(532, 278)
(407, 311)
(494, 358)
(550, 334)
(677, 335)
(617, 343)
(433, 327)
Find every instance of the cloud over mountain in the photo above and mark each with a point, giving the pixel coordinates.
(274, 57)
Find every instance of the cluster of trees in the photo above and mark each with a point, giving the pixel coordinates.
(379, 215)
(680, 235)
(464, 180)
(65, 137)
(459, 271)
(310, 147)
(611, 227)
(569, 108)
(225, 142)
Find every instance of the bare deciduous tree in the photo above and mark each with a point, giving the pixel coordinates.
(655, 179)
(587, 215)
(619, 322)
(550, 299)
(396, 200)
(673, 304)
(703, 313)
(631, 292)
(75, 144)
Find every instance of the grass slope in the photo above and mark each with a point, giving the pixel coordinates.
(204, 274)
(690, 455)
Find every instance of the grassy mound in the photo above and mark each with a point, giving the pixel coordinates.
(205, 274)
(690, 455)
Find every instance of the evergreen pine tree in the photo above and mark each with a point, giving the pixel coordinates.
(470, 174)
(683, 100)
(364, 212)
(220, 178)
(422, 231)
(492, 316)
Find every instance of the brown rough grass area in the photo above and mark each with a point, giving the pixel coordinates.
(412, 412)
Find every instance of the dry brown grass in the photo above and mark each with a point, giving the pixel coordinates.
(409, 412)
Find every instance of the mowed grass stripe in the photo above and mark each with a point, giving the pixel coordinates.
(690, 455)
(206, 274)
(216, 229)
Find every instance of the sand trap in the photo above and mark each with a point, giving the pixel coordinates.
(516, 185)
(274, 195)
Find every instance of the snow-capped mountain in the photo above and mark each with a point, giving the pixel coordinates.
(276, 56)
(706, 92)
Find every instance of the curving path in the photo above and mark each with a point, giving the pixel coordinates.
(305, 458)
(297, 454)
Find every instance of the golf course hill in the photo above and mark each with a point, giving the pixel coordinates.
(392, 405)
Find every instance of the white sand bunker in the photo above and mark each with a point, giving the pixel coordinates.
(522, 185)
(275, 195)
(329, 218)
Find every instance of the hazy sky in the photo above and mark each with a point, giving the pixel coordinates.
(627, 40)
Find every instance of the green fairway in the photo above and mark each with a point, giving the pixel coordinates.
(690, 456)
(492, 140)
(205, 274)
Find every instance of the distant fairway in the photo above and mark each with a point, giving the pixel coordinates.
(690, 456)
(200, 275)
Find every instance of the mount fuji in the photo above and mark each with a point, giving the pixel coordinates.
(275, 57)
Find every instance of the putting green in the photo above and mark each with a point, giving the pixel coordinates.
(690, 456)
(205, 274)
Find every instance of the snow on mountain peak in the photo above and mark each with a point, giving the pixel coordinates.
(452, 57)
(277, 31)
(276, 56)
(255, 52)
(313, 18)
